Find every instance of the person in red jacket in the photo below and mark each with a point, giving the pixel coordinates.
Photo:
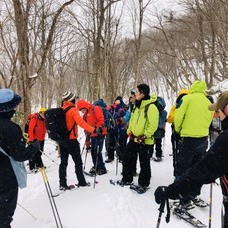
(36, 131)
(93, 115)
(71, 146)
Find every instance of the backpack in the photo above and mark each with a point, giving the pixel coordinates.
(55, 119)
(28, 119)
(107, 116)
(160, 104)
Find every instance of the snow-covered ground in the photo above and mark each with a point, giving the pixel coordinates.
(106, 206)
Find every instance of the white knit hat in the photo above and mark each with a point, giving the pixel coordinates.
(68, 96)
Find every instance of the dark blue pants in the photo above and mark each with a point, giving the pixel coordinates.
(36, 160)
(8, 203)
(70, 147)
(189, 153)
(129, 155)
(96, 152)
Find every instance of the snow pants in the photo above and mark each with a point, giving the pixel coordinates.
(8, 203)
(144, 152)
(70, 147)
(190, 152)
(96, 147)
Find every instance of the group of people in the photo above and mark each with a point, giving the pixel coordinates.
(196, 118)
(131, 132)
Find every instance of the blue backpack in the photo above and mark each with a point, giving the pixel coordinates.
(160, 104)
(107, 116)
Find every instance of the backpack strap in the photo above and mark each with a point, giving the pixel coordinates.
(65, 111)
(146, 109)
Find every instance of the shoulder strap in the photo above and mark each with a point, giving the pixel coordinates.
(65, 111)
(146, 109)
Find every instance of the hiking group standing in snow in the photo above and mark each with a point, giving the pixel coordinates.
(133, 131)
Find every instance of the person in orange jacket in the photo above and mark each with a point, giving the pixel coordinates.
(93, 115)
(71, 146)
(36, 131)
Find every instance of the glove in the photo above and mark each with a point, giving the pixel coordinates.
(98, 131)
(88, 145)
(36, 145)
(161, 194)
(141, 139)
(130, 135)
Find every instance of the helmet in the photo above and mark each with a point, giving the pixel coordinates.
(8, 100)
(43, 110)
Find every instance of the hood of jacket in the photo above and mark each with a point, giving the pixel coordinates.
(198, 87)
(83, 104)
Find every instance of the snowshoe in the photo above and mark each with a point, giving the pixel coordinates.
(66, 187)
(199, 202)
(139, 188)
(101, 171)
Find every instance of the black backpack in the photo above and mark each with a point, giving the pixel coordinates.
(56, 124)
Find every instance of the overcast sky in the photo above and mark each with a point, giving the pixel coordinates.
(127, 9)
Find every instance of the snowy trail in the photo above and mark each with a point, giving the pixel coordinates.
(106, 206)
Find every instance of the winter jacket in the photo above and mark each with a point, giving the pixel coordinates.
(14, 144)
(37, 128)
(140, 124)
(73, 119)
(94, 115)
(117, 111)
(181, 93)
(192, 117)
(170, 118)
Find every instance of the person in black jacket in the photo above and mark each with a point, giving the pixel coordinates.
(14, 144)
(211, 166)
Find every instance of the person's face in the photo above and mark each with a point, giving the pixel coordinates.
(83, 110)
(139, 96)
(221, 114)
(132, 97)
(42, 114)
(117, 102)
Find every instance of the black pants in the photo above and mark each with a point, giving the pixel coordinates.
(224, 186)
(129, 155)
(111, 143)
(158, 147)
(190, 152)
(36, 160)
(70, 147)
(8, 203)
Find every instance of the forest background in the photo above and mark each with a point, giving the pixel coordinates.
(104, 48)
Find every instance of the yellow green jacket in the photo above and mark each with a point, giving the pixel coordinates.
(140, 125)
(192, 117)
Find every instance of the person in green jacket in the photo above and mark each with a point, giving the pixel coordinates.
(141, 129)
(192, 120)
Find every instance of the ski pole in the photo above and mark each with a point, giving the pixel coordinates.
(161, 210)
(95, 176)
(48, 157)
(210, 208)
(51, 198)
(27, 211)
(85, 159)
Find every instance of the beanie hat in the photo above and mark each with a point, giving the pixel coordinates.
(68, 96)
(8, 100)
(42, 110)
(133, 91)
(183, 91)
(144, 88)
(221, 102)
(119, 98)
